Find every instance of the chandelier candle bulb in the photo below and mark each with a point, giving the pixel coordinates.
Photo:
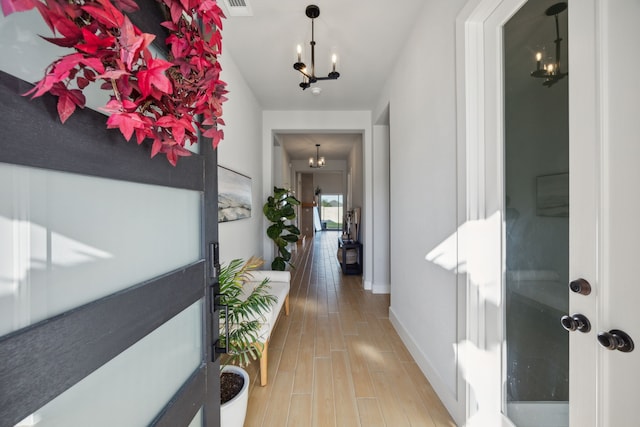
(312, 11)
(334, 59)
(551, 71)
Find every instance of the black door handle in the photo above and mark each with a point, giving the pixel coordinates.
(576, 322)
(616, 339)
(580, 286)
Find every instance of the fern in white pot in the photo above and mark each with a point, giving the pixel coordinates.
(242, 321)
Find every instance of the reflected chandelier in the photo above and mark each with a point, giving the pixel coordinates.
(319, 161)
(309, 76)
(550, 71)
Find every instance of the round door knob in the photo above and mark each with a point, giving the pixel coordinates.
(580, 286)
(576, 322)
(616, 339)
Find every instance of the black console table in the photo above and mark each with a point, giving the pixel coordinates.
(350, 245)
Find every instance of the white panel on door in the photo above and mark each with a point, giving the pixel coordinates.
(69, 239)
(131, 389)
(197, 420)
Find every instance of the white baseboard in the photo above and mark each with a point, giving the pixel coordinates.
(539, 414)
(381, 288)
(449, 400)
(367, 285)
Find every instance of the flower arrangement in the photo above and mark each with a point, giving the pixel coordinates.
(154, 98)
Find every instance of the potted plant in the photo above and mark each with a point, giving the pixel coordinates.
(279, 209)
(239, 324)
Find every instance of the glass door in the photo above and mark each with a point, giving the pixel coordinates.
(536, 217)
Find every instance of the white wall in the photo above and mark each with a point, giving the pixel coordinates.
(329, 182)
(355, 168)
(381, 282)
(241, 151)
(421, 94)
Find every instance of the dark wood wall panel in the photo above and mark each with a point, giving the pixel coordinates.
(32, 135)
(43, 360)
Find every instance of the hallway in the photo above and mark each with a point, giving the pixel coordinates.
(336, 359)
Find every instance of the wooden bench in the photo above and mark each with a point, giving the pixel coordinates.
(279, 283)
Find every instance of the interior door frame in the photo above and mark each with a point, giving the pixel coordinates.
(43, 360)
(480, 84)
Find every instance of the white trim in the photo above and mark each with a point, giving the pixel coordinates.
(539, 414)
(379, 288)
(444, 393)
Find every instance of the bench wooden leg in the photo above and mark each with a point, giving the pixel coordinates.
(286, 305)
(263, 364)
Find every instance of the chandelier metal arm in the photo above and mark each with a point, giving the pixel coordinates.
(312, 12)
(552, 73)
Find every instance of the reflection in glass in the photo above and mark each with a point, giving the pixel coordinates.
(536, 227)
(69, 239)
(131, 389)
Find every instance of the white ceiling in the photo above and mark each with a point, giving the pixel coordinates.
(366, 35)
(333, 146)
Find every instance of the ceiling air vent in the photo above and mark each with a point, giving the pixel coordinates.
(238, 7)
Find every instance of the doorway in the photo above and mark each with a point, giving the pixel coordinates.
(331, 211)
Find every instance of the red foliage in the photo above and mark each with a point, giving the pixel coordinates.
(153, 98)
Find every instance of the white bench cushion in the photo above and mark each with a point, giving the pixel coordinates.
(279, 289)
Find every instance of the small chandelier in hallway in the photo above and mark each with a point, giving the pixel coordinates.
(318, 162)
(309, 76)
(548, 70)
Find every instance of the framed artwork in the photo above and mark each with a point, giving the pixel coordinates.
(234, 195)
(552, 195)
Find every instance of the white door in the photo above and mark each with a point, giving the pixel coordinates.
(604, 121)
(604, 129)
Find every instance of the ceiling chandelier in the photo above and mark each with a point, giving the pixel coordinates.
(548, 70)
(318, 162)
(309, 76)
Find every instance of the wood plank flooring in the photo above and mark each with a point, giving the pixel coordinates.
(336, 360)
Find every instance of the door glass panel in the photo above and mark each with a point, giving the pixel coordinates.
(69, 239)
(131, 389)
(536, 223)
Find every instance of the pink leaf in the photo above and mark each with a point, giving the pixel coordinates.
(106, 15)
(10, 6)
(130, 43)
(112, 74)
(126, 122)
(66, 107)
(128, 6)
(93, 43)
(154, 76)
(156, 147)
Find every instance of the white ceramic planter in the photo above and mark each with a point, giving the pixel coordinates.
(233, 412)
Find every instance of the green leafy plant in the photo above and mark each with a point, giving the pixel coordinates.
(279, 209)
(245, 311)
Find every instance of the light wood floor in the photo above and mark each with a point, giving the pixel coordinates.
(336, 360)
